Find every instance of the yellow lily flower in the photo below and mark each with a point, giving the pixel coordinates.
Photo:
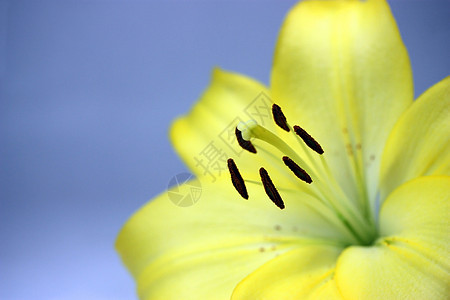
(373, 220)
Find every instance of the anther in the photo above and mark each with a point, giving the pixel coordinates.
(270, 189)
(236, 179)
(299, 172)
(247, 145)
(279, 117)
(309, 140)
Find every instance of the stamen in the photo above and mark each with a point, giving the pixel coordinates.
(299, 172)
(247, 145)
(236, 179)
(326, 190)
(270, 189)
(279, 117)
(251, 129)
(309, 140)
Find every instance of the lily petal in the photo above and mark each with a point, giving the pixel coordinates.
(342, 71)
(419, 214)
(412, 260)
(419, 144)
(303, 273)
(205, 138)
(205, 250)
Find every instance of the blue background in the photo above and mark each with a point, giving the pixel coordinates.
(88, 90)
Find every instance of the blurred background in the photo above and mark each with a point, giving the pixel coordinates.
(88, 90)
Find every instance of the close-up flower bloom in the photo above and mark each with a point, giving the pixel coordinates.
(331, 183)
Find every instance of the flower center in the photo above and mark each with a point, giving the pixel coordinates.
(331, 200)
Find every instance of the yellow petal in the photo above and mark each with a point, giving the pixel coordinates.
(203, 251)
(417, 214)
(342, 72)
(303, 273)
(205, 138)
(420, 142)
(411, 260)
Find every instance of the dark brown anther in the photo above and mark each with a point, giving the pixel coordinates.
(279, 117)
(299, 172)
(270, 189)
(309, 140)
(236, 179)
(247, 145)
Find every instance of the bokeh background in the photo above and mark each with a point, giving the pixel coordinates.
(87, 92)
